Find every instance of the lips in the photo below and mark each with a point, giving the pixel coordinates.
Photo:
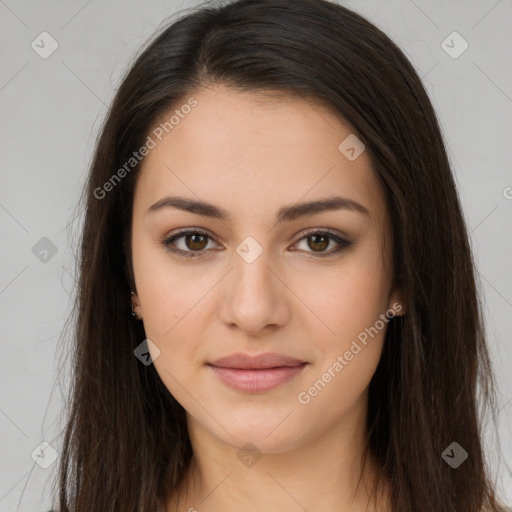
(256, 374)
(262, 361)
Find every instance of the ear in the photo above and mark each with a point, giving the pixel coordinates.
(397, 302)
(136, 309)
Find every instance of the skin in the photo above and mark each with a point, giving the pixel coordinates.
(252, 157)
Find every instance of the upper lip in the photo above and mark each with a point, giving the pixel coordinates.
(261, 361)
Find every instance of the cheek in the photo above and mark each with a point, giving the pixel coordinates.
(337, 388)
(344, 320)
(176, 304)
(350, 348)
(171, 322)
(344, 300)
(172, 296)
(352, 328)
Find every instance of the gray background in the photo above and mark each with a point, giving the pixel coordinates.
(51, 112)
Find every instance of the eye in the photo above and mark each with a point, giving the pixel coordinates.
(319, 240)
(195, 241)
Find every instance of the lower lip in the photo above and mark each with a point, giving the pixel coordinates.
(255, 381)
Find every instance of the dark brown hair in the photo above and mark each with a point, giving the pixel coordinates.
(126, 445)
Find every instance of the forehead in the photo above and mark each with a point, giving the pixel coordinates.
(252, 152)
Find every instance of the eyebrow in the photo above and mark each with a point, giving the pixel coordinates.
(285, 214)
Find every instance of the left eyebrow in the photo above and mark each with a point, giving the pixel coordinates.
(285, 214)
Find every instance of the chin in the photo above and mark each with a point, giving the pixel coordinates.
(268, 435)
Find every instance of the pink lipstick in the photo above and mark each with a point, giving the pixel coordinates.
(256, 373)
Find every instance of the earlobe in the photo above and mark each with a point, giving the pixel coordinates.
(135, 306)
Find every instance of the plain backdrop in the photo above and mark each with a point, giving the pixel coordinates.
(52, 108)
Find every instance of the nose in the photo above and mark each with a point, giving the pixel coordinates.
(254, 297)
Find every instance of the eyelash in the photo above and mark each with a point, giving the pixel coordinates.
(167, 242)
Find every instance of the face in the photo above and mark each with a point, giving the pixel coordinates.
(259, 272)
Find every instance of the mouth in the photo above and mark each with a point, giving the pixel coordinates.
(255, 374)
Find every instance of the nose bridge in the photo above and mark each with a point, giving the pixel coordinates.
(254, 297)
(252, 273)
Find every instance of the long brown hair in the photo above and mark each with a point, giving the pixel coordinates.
(126, 446)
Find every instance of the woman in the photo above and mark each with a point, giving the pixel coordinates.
(271, 200)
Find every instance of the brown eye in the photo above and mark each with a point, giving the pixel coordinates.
(196, 242)
(193, 244)
(318, 242)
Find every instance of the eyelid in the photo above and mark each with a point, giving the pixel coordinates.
(167, 239)
(329, 231)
